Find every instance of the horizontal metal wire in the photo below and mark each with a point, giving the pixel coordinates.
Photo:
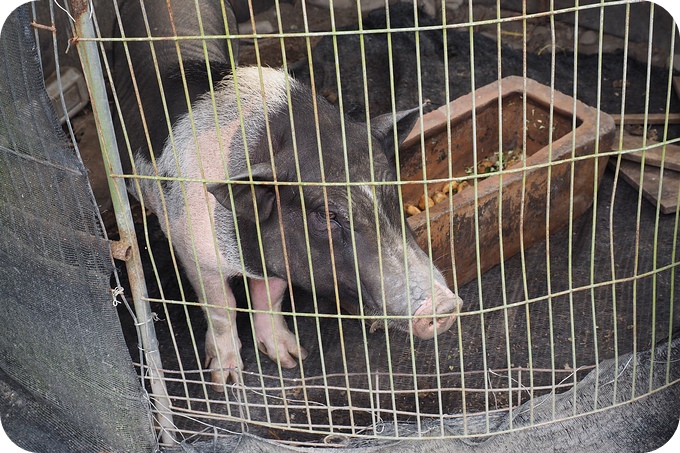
(376, 183)
(337, 32)
(528, 301)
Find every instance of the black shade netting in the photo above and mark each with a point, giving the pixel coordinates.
(66, 379)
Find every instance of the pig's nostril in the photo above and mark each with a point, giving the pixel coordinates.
(426, 323)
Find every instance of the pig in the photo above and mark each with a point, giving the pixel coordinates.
(243, 151)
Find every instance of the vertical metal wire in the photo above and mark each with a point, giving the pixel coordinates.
(314, 297)
(624, 91)
(572, 188)
(257, 225)
(671, 301)
(294, 138)
(640, 199)
(430, 253)
(244, 407)
(504, 291)
(593, 237)
(447, 112)
(655, 269)
(658, 210)
(419, 83)
(312, 79)
(525, 120)
(393, 105)
(375, 211)
(343, 350)
(242, 396)
(89, 56)
(475, 187)
(551, 120)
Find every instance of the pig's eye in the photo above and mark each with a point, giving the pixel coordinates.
(332, 216)
(319, 217)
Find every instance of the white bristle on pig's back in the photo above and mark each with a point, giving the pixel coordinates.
(199, 149)
(252, 91)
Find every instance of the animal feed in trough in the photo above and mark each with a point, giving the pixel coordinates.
(524, 163)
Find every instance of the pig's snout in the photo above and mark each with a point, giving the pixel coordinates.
(429, 321)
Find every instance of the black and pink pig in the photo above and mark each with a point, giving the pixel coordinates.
(217, 151)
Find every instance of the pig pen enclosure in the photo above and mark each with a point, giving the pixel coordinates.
(541, 178)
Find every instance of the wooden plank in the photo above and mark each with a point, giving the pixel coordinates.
(652, 118)
(630, 171)
(653, 155)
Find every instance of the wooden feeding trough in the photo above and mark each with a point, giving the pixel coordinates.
(542, 168)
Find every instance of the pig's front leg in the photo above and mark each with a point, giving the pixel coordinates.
(222, 344)
(273, 336)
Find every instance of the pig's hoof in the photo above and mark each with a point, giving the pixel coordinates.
(283, 350)
(222, 377)
(223, 358)
(229, 373)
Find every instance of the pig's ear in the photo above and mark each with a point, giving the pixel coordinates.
(382, 127)
(243, 195)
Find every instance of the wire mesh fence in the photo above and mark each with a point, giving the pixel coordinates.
(436, 220)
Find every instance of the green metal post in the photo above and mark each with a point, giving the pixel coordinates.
(92, 69)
